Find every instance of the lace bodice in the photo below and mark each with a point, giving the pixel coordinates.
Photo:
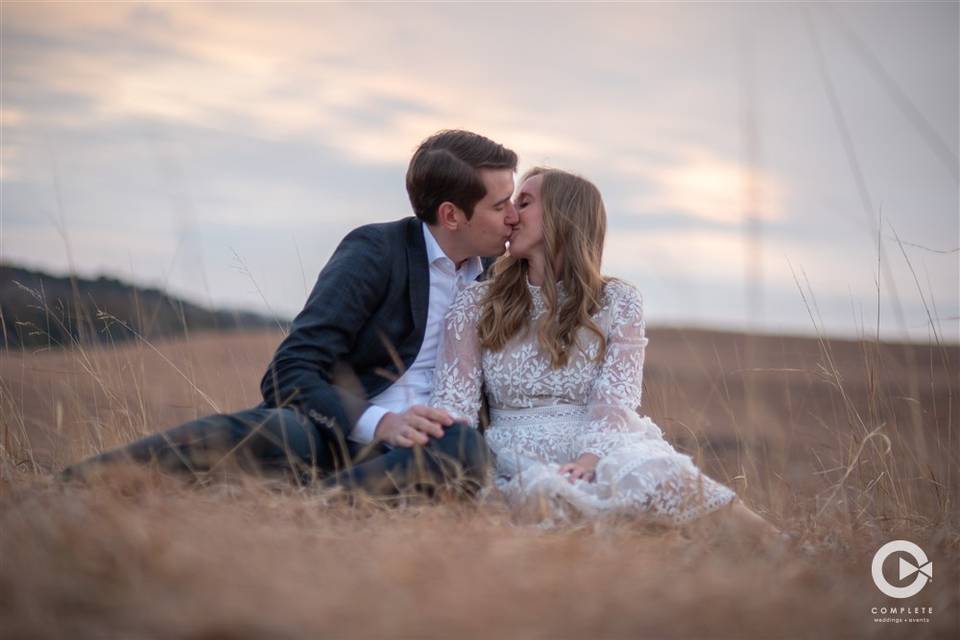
(520, 376)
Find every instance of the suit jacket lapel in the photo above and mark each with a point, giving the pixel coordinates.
(419, 272)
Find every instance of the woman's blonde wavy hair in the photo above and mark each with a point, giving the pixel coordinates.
(574, 226)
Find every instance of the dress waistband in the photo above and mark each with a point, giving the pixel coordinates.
(574, 413)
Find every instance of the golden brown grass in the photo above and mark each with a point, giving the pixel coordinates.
(848, 444)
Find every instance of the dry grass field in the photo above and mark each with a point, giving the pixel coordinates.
(847, 444)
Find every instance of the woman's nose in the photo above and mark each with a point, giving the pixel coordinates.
(512, 216)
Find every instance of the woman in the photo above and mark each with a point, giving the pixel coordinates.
(558, 348)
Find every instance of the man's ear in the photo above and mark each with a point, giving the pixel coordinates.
(447, 216)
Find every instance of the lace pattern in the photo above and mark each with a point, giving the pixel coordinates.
(543, 417)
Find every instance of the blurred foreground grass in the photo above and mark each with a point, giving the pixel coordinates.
(848, 444)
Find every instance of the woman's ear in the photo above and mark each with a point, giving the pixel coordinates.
(447, 216)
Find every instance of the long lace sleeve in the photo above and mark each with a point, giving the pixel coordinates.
(458, 376)
(613, 403)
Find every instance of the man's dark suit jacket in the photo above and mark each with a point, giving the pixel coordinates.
(362, 326)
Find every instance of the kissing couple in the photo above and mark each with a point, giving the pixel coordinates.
(414, 325)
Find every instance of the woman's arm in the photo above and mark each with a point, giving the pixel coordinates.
(458, 376)
(613, 403)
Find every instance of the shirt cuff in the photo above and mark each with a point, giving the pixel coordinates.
(366, 427)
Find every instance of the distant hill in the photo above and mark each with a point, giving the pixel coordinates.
(38, 310)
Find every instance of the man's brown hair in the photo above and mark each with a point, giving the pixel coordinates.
(444, 169)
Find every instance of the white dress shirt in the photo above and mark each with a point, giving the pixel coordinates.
(416, 383)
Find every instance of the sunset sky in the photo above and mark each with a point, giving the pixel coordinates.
(222, 150)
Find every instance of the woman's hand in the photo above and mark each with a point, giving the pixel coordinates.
(583, 468)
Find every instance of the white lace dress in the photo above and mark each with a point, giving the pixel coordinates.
(541, 418)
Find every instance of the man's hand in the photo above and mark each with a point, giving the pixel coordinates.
(583, 468)
(413, 426)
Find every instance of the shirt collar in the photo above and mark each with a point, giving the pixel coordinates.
(472, 268)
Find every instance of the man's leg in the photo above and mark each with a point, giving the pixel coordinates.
(259, 438)
(459, 458)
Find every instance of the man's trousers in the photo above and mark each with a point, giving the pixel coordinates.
(284, 441)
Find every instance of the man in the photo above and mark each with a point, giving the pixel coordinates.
(344, 397)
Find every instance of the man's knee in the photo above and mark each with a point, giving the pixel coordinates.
(280, 421)
(286, 432)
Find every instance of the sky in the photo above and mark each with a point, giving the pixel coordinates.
(776, 167)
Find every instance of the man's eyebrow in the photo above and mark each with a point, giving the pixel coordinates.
(504, 201)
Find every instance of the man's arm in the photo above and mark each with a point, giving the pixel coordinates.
(348, 291)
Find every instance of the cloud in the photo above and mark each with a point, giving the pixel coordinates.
(702, 185)
(715, 256)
